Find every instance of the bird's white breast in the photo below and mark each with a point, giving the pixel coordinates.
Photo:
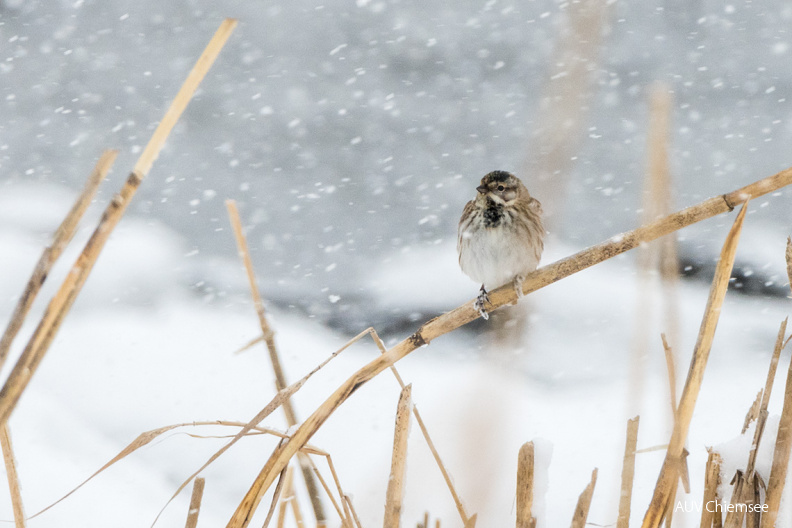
(493, 256)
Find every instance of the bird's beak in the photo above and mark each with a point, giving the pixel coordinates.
(482, 189)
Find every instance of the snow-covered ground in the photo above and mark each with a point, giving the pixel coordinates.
(147, 347)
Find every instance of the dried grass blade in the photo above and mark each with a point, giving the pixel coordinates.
(60, 305)
(51, 253)
(195, 503)
(628, 473)
(525, 477)
(147, 437)
(501, 296)
(13, 478)
(395, 491)
(584, 503)
(666, 481)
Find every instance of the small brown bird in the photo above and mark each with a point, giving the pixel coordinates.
(500, 235)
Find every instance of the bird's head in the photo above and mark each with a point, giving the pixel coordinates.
(502, 187)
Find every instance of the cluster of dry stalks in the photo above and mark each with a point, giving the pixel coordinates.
(278, 470)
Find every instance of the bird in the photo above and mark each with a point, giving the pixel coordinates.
(500, 236)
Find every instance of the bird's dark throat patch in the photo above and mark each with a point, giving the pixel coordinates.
(493, 214)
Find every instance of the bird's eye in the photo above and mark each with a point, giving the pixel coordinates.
(501, 187)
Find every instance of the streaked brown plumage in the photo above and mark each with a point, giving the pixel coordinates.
(500, 236)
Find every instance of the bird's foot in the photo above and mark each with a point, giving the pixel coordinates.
(518, 283)
(481, 300)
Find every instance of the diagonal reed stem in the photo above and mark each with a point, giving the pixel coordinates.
(667, 481)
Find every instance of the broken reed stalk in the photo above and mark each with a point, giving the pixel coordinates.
(424, 431)
(628, 473)
(525, 481)
(745, 482)
(584, 503)
(269, 339)
(753, 412)
(499, 297)
(195, 503)
(45, 333)
(783, 445)
(13, 478)
(711, 516)
(51, 253)
(667, 480)
(395, 491)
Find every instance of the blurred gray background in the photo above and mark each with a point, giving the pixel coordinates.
(351, 131)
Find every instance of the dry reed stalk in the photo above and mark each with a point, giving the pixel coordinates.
(628, 473)
(499, 297)
(425, 521)
(348, 502)
(45, 333)
(329, 492)
(347, 514)
(471, 523)
(666, 481)
(275, 497)
(195, 503)
(13, 478)
(711, 516)
(285, 498)
(525, 477)
(783, 445)
(269, 339)
(424, 431)
(584, 503)
(395, 491)
(745, 483)
(51, 253)
(437, 523)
